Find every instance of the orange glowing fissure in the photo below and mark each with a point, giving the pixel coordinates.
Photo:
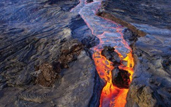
(110, 93)
(111, 96)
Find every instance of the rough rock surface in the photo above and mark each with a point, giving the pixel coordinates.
(34, 34)
(74, 89)
(47, 74)
(31, 33)
(69, 52)
(151, 81)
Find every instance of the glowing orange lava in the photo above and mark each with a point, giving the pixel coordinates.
(109, 34)
(111, 95)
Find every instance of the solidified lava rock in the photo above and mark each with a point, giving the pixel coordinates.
(153, 12)
(130, 37)
(111, 55)
(69, 52)
(167, 64)
(120, 78)
(24, 44)
(48, 74)
(90, 41)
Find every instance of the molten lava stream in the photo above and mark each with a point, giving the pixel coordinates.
(111, 95)
(109, 34)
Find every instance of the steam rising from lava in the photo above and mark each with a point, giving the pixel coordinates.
(110, 34)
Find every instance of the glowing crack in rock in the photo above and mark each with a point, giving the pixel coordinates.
(109, 34)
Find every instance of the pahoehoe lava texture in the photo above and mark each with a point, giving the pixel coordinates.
(37, 49)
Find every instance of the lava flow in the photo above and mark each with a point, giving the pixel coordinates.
(111, 95)
(109, 34)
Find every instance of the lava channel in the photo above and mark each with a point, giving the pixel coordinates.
(109, 34)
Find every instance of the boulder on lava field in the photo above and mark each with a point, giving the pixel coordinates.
(120, 78)
(111, 55)
(47, 74)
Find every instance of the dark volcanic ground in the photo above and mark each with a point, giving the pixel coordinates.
(37, 48)
(42, 63)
